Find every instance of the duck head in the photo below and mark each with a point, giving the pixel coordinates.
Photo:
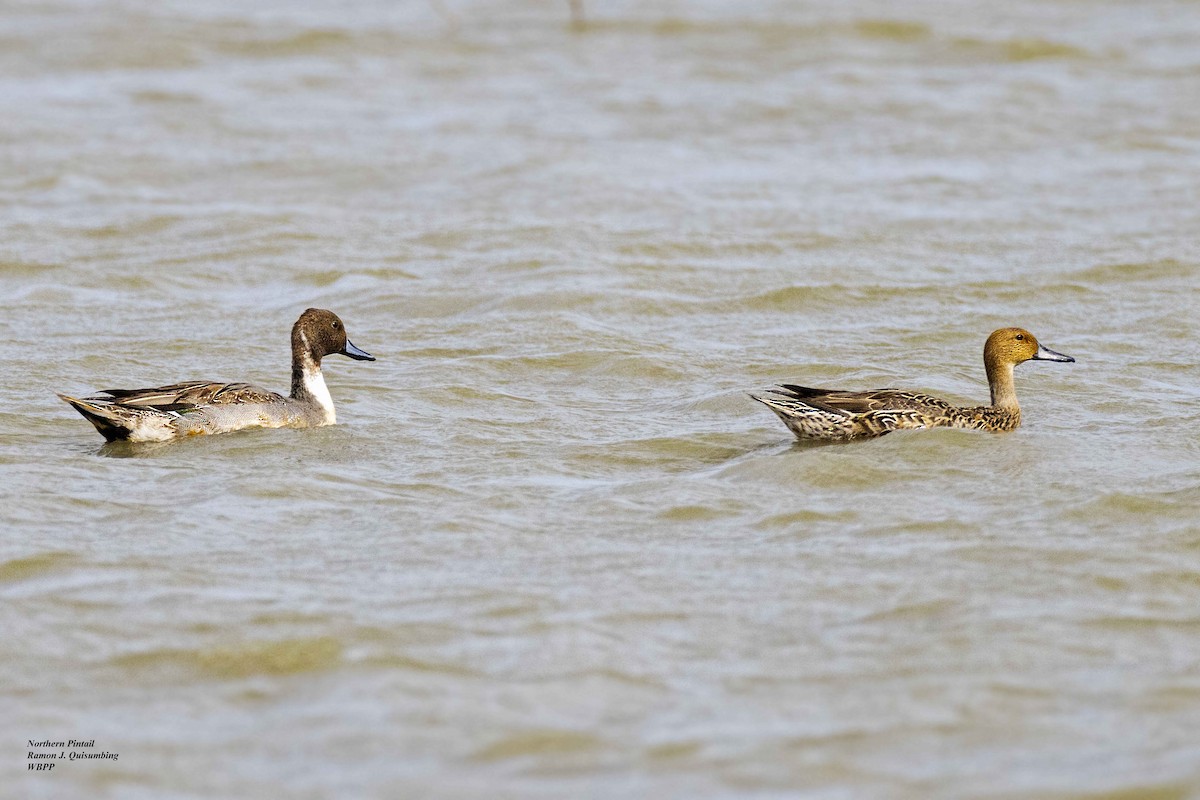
(319, 333)
(1005, 349)
(1016, 346)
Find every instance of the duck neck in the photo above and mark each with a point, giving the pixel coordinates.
(308, 385)
(1004, 391)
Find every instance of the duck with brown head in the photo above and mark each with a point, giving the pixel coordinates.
(1004, 350)
(833, 414)
(205, 407)
(319, 333)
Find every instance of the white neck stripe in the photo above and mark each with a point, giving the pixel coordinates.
(314, 383)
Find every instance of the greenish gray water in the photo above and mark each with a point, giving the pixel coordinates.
(553, 549)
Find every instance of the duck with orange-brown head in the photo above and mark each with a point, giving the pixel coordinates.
(833, 414)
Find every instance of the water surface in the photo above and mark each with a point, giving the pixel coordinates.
(552, 549)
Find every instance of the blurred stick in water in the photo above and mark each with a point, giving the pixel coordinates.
(577, 19)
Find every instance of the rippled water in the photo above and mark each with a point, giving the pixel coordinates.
(553, 549)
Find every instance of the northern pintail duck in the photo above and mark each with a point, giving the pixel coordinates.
(202, 407)
(831, 414)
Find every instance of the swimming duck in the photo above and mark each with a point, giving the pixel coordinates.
(203, 407)
(831, 414)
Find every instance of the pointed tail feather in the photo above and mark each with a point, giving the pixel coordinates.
(108, 424)
(779, 408)
(799, 392)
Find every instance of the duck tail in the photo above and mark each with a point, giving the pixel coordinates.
(779, 408)
(751, 395)
(109, 424)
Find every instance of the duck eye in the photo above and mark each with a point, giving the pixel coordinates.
(1020, 336)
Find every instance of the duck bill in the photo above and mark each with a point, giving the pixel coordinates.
(1046, 354)
(359, 355)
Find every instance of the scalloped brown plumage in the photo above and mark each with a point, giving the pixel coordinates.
(833, 414)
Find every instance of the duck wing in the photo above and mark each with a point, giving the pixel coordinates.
(179, 396)
(879, 400)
